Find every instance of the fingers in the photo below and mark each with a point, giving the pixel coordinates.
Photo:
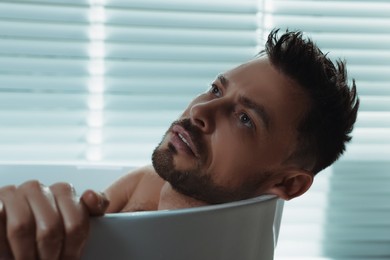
(75, 219)
(49, 231)
(46, 222)
(20, 224)
(96, 202)
(34, 226)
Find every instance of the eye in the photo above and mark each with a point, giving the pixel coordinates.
(215, 90)
(245, 120)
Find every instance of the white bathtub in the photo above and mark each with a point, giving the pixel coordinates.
(244, 230)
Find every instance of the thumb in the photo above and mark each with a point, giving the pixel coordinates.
(95, 202)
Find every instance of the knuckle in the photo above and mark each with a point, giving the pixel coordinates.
(20, 229)
(77, 230)
(62, 188)
(50, 232)
(31, 184)
(8, 189)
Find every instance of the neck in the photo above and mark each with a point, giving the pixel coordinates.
(171, 199)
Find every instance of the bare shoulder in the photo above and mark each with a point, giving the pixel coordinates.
(121, 191)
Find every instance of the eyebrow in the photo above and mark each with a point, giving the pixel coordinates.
(223, 80)
(259, 110)
(247, 102)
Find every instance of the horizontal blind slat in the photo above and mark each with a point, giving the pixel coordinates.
(331, 24)
(47, 13)
(359, 9)
(152, 51)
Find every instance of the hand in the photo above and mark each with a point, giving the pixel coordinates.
(39, 222)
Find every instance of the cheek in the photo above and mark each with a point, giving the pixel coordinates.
(232, 161)
(280, 146)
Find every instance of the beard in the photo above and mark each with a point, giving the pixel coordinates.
(196, 182)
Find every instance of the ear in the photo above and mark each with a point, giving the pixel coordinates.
(292, 184)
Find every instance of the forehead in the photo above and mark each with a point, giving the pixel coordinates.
(283, 99)
(259, 74)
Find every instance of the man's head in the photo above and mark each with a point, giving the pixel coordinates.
(265, 127)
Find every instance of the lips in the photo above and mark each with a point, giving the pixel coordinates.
(182, 140)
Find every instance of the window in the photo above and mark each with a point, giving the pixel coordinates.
(100, 81)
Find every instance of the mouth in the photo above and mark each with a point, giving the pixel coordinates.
(182, 141)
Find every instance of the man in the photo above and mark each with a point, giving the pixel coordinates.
(266, 127)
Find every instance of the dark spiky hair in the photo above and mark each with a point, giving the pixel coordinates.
(329, 121)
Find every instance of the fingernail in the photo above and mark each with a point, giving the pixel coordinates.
(103, 201)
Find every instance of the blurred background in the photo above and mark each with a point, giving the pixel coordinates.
(99, 82)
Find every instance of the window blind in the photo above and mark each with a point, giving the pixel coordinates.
(101, 81)
(346, 215)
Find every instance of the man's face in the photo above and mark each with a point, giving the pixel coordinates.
(232, 142)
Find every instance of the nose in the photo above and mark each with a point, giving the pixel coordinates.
(203, 115)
